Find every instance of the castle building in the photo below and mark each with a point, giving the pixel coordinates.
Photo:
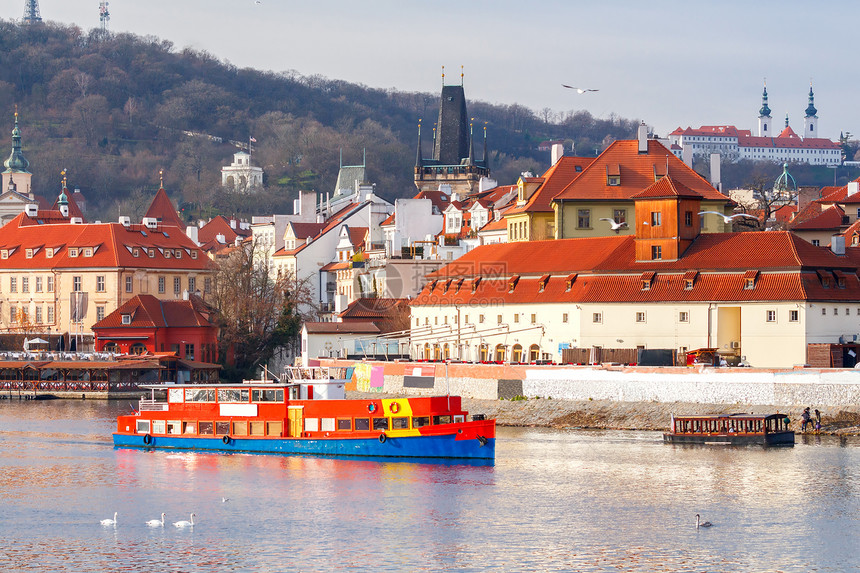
(453, 161)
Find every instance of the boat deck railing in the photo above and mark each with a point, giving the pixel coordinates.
(295, 373)
(152, 405)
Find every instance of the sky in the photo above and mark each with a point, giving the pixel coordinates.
(670, 63)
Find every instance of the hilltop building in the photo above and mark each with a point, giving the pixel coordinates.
(735, 144)
(453, 161)
(241, 175)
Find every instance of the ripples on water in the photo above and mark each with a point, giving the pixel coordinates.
(554, 501)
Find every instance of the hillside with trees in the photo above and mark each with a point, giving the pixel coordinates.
(113, 110)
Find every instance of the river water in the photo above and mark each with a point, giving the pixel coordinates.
(554, 501)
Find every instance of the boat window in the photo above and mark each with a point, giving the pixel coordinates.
(222, 428)
(380, 423)
(189, 428)
(311, 424)
(240, 428)
(233, 395)
(158, 427)
(206, 429)
(459, 419)
(174, 395)
(420, 421)
(274, 428)
(344, 424)
(400, 423)
(441, 420)
(143, 426)
(327, 425)
(268, 395)
(199, 395)
(258, 428)
(174, 427)
(362, 423)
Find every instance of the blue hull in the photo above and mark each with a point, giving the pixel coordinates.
(426, 447)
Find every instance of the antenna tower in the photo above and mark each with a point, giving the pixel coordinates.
(31, 12)
(104, 16)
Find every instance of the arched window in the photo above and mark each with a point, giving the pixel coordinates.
(437, 352)
(112, 347)
(137, 348)
(427, 354)
(534, 353)
(500, 353)
(446, 352)
(517, 353)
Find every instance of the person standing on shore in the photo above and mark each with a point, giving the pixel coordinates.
(805, 417)
(817, 421)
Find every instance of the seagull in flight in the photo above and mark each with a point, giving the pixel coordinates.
(615, 226)
(729, 218)
(578, 90)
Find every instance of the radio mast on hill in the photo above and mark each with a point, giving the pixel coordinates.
(31, 12)
(104, 16)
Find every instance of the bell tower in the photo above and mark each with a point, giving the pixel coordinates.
(764, 119)
(810, 122)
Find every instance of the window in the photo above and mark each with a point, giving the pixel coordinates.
(49, 253)
(481, 318)
(177, 285)
(597, 317)
(619, 215)
(466, 318)
(13, 284)
(38, 284)
(683, 316)
(656, 252)
(25, 284)
(192, 284)
(816, 242)
(126, 319)
(100, 283)
(793, 315)
(613, 180)
(564, 317)
(640, 317)
(50, 284)
(161, 285)
(498, 319)
(207, 284)
(76, 284)
(100, 313)
(516, 317)
(688, 218)
(50, 314)
(13, 314)
(823, 312)
(688, 284)
(534, 319)
(73, 252)
(88, 252)
(189, 351)
(771, 316)
(129, 284)
(656, 218)
(749, 283)
(29, 253)
(583, 219)
(39, 314)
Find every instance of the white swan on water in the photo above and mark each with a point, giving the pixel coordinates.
(156, 522)
(702, 523)
(110, 521)
(185, 523)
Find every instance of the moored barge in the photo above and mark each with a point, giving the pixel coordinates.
(731, 429)
(306, 412)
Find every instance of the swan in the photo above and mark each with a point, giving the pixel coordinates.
(110, 521)
(185, 523)
(156, 522)
(702, 523)
(225, 499)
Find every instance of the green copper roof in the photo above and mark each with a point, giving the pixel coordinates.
(16, 163)
(764, 111)
(810, 109)
(785, 182)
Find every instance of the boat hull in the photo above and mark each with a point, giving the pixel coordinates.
(772, 439)
(430, 447)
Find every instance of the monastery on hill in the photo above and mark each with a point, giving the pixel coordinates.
(735, 144)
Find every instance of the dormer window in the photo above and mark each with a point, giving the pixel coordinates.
(49, 253)
(73, 252)
(647, 279)
(571, 278)
(126, 319)
(750, 278)
(613, 175)
(4, 254)
(688, 284)
(135, 252)
(29, 253)
(690, 279)
(542, 283)
(475, 282)
(178, 253)
(167, 253)
(513, 283)
(193, 254)
(88, 251)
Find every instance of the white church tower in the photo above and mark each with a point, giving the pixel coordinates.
(810, 122)
(764, 120)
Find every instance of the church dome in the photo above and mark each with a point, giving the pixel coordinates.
(16, 163)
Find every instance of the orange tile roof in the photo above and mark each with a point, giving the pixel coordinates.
(666, 187)
(113, 244)
(556, 178)
(162, 209)
(219, 225)
(147, 311)
(830, 218)
(637, 173)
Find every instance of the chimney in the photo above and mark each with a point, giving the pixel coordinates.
(557, 152)
(220, 238)
(715, 171)
(687, 155)
(837, 244)
(853, 187)
(233, 224)
(643, 138)
(32, 209)
(191, 232)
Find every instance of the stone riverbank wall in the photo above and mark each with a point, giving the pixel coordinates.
(755, 386)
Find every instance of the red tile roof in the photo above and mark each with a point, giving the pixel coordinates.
(830, 218)
(147, 311)
(637, 173)
(556, 178)
(666, 187)
(341, 328)
(219, 225)
(162, 209)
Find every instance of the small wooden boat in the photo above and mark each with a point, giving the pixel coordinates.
(731, 430)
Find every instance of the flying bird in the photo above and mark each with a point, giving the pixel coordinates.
(578, 90)
(702, 523)
(615, 226)
(729, 218)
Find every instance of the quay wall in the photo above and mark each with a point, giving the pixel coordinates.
(754, 386)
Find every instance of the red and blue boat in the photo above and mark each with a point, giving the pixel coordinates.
(306, 412)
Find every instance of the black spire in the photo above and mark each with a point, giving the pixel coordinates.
(452, 139)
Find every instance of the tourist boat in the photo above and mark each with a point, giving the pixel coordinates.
(305, 412)
(731, 429)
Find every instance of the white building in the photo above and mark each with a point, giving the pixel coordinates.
(241, 175)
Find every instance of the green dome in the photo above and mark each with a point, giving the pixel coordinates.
(16, 163)
(764, 111)
(810, 109)
(785, 183)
